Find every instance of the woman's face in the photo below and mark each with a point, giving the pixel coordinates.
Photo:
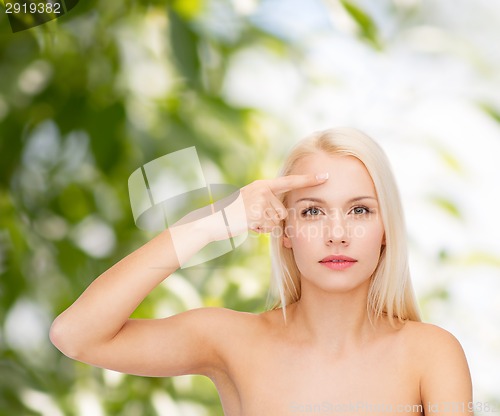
(334, 229)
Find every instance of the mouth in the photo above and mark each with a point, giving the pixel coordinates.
(338, 262)
(337, 259)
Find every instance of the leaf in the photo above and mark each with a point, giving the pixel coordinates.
(489, 109)
(188, 8)
(184, 43)
(478, 258)
(367, 26)
(70, 4)
(450, 160)
(446, 205)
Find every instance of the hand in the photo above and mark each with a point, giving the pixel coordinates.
(253, 207)
(264, 211)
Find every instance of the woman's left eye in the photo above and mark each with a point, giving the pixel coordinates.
(360, 210)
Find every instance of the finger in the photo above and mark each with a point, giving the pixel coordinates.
(280, 209)
(289, 182)
(271, 215)
(267, 227)
(269, 219)
(264, 228)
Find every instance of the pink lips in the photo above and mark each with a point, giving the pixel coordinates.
(337, 262)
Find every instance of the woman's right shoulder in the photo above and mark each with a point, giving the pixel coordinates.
(227, 331)
(230, 332)
(224, 321)
(220, 314)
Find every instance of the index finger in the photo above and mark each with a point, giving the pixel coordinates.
(290, 182)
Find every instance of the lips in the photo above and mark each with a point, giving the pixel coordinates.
(338, 262)
(337, 259)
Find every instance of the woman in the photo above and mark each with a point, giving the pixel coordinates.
(348, 336)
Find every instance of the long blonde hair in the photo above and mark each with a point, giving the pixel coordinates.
(391, 292)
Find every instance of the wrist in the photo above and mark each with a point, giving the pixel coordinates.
(212, 228)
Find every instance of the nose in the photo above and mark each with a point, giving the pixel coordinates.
(336, 232)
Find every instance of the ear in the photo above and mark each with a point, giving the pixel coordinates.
(287, 243)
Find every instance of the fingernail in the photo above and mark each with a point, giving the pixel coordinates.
(322, 176)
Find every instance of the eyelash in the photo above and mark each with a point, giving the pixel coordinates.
(307, 212)
(367, 210)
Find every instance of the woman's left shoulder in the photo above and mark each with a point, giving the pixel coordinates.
(440, 363)
(432, 347)
(425, 336)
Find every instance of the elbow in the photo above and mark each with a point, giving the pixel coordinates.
(61, 337)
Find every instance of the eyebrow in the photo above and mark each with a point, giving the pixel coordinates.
(322, 201)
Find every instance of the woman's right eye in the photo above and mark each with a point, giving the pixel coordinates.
(311, 212)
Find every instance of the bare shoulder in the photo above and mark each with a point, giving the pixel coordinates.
(216, 319)
(226, 326)
(196, 341)
(428, 339)
(243, 330)
(441, 363)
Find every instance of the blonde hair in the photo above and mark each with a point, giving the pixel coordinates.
(391, 292)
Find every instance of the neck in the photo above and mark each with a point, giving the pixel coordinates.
(336, 321)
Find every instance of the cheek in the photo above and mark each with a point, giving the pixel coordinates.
(366, 237)
(378, 233)
(299, 234)
(372, 237)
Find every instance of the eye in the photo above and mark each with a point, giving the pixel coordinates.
(311, 212)
(361, 210)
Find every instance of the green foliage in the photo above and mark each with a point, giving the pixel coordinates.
(447, 205)
(73, 128)
(491, 110)
(79, 112)
(367, 28)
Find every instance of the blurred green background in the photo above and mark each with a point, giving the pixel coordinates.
(88, 98)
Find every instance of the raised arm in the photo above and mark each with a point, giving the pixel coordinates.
(96, 328)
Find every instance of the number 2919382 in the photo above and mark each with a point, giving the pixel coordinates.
(32, 8)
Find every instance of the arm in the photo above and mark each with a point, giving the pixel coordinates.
(97, 330)
(446, 387)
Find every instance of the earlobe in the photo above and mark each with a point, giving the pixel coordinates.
(287, 243)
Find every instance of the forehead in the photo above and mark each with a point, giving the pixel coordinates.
(348, 177)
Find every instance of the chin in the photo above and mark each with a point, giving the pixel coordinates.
(335, 284)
